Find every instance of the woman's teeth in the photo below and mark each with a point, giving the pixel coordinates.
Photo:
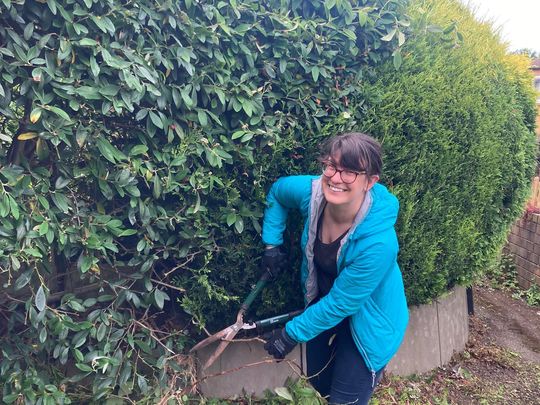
(335, 189)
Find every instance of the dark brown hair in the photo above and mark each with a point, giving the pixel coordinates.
(354, 151)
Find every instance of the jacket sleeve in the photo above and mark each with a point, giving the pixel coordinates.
(287, 193)
(353, 286)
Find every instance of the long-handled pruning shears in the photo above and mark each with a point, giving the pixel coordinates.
(227, 335)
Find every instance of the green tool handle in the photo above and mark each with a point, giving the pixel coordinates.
(255, 291)
(277, 319)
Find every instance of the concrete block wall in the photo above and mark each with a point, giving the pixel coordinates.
(523, 245)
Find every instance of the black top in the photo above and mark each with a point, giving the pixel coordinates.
(325, 259)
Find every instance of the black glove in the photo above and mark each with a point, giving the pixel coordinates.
(278, 343)
(274, 261)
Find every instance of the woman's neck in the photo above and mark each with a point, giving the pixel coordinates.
(343, 214)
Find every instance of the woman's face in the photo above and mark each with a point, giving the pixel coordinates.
(338, 188)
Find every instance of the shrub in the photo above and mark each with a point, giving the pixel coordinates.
(137, 140)
(457, 126)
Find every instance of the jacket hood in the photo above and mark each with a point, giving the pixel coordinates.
(382, 214)
(378, 212)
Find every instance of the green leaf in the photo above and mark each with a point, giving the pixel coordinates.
(61, 182)
(401, 38)
(14, 207)
(397, 59)
(349, 33)
(43, 201)
(237, 134)
(203, 118)
(43, 228)
(61, 201)
(282, 65)
(52, 6)
(101, 331)
(94, 67)
(141, 382)
(114, 61)
(362, 18)
(284, 393)
(156, 189)
(78, 355)
(390, 35)
(109, 151)
(315, 73)
(186, 96)
(239, 225)
(40, 300)
(43, 335)
(23, 279)
(84, 367)
(35, 115)
(61, 113)
(159, 298)
(155, 119)
(88, 42)
(144, 72)
(231, 218)
(138, 150)
(10, 398)
(89, 93)
(28, 31)
(86, 262)
(76, 306)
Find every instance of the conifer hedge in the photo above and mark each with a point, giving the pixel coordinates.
(137, 140)
(457, 126)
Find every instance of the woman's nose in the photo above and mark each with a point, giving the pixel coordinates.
(338, 174)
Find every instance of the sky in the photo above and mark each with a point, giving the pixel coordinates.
(519, 20)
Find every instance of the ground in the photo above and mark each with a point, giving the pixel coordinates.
(501, 363)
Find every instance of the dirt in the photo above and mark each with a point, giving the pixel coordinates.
(512, 323)
(500, 365)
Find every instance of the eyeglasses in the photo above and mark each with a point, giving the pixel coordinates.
(347, 176)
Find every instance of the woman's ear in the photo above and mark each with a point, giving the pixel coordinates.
(371, 181)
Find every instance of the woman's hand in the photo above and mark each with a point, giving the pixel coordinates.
(278, 343)
(274, 260)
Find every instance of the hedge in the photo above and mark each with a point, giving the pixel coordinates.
(137, 142)
(457, 126)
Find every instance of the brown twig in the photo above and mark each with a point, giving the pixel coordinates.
(168, 285)
(154, 336)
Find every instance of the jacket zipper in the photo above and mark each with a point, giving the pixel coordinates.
(368, 363)
(342, 245)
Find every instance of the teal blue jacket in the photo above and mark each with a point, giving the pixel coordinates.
(369, 286)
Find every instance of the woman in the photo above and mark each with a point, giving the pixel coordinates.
(356, 312)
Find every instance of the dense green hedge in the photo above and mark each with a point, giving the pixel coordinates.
(137, 142)
(457, 126)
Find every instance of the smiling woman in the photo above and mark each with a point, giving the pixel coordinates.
(353, 287)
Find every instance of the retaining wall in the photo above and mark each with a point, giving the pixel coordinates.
(435, 332)
(524, 245)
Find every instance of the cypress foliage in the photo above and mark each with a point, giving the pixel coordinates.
(457, 126)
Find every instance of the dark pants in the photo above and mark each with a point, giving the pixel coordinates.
(337, 369)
